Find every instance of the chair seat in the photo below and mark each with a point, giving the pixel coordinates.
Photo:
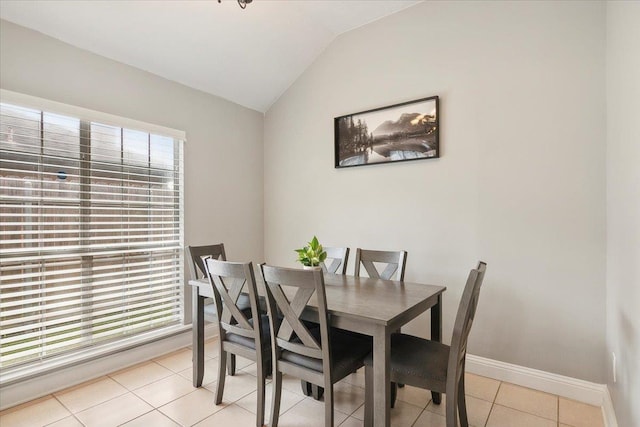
(347, 352)
(423, 361)
(251, 343)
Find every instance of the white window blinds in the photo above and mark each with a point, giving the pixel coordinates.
(90, 235)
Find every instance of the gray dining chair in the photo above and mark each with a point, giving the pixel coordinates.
(336, 262)
(322, 355)
(239, 334)
(199, 253)
(430, 364)
(198, 271)
(394, 263)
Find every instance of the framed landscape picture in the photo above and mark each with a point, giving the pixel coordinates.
(401, 132)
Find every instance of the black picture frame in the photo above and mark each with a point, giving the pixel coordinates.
(401, 132)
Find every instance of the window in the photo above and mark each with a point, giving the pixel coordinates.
(91, 233)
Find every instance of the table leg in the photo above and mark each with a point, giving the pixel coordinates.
(436, 335)
(381, 378)
(198, 337)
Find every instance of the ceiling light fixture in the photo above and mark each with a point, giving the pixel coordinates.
(243, 3)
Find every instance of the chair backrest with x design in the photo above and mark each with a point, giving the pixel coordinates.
(228, 280)
(336, 262)
(395, 263)
(199, 253)
(241, 329)
(464, 321)
(291, 334)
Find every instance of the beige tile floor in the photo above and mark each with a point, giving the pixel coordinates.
(159, 393)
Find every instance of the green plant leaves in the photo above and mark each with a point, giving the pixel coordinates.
(312, 254)
(314, 243)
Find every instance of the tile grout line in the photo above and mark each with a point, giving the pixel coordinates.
(495, 396)
(153, 408)
(99, 403)
(280, 414)
(141, 364)
(557, 420)
(493, 403)
(65, 407)
(116, 397)
(486, 423)
(528, 413)
(419, 415)
(62, 403)
(168, 416)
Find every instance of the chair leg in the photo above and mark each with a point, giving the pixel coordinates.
(328, 405)
(317, 391)
(267, 369)
(368, 396)
(276, 385)
(231, 365)
(261, 391)
(462, 404)
(400, 385)
(221, 376)
(436, 397)
(394, 393)
(306, 387)
(451, 409)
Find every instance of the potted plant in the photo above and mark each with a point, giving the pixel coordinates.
(311, 255)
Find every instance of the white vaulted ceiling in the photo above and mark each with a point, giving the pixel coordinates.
(248, 56)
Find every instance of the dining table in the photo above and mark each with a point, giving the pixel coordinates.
(373, 307)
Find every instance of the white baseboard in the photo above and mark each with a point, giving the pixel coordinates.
(608, 413)
(571, 388)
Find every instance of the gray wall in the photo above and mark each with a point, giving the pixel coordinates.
(224, 149)
(623, 207)
(521, 181)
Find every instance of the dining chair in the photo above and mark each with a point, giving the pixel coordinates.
(198, 253)
(237, 333)
(430, 364)
(322, 355)
(199, 271)
(394, 263)
(336, 262)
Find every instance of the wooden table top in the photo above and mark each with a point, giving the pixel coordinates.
(376, 300)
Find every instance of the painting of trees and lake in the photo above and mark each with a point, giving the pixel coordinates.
(407, 131)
